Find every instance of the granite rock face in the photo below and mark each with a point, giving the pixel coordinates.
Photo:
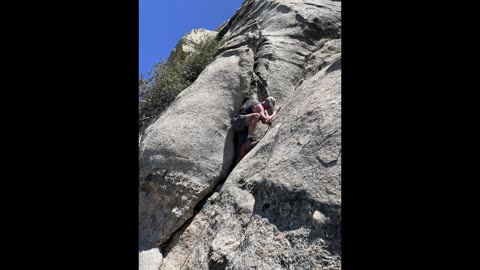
(189, 42)
(279, 208)
(186, 151)
(150, 259)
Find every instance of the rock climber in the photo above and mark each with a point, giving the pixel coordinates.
(245, 122)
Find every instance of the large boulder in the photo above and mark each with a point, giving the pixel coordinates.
(283, 34)
(149, 259)
(190, 42)
(280, 206)
(190, 147)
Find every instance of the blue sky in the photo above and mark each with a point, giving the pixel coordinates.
(163, 22)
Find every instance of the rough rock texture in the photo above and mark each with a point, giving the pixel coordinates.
(280, 206)
(187, 45)
(283, 34)
(185, 152)
(189, 42)
(150, 260)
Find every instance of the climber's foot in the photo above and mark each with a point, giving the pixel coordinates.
(251, 143)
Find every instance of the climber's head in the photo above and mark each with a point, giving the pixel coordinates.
(269, 103)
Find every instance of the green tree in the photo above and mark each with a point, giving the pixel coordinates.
(169, 78)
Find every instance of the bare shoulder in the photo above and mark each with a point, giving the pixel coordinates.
(257, 108)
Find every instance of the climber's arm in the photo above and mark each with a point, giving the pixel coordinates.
(264, 117)
(263, 114)
(268, 118)
(273, 116)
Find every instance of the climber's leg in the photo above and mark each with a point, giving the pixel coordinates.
(246, 146)
(243, 150)
(246, 138)
(251, 121)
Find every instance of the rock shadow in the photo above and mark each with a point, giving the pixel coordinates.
(336, 65)
(290, 210)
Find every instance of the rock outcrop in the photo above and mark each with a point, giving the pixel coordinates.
(150, 259)
(188, 150)
(189, 42)
(279, 208)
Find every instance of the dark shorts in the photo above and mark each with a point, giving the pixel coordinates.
(238, 125)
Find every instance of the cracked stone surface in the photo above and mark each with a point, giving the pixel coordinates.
(150, 259)
(189, 42)
(188, 150)
(279, 208)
